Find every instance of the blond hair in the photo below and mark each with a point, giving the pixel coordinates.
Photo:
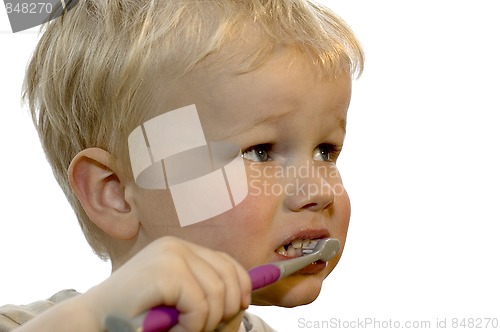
(87, 83)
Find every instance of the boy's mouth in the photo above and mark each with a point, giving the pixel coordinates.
(297, 248)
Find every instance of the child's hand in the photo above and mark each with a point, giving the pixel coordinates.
(207, 287)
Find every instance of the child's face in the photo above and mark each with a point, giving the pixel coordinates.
(290, 125)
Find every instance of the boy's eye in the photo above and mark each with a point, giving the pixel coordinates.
(326, 152)
(259, 153)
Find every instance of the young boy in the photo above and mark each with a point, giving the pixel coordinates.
(119, 89)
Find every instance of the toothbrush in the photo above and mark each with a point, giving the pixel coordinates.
(162, 318)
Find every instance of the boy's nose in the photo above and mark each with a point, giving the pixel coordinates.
(314, 192)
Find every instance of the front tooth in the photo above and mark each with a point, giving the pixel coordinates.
(305, 242)
(297, 244)
(282, 251)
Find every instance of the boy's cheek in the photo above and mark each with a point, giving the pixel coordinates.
(239, 231)
(342, 215)
(248, 227)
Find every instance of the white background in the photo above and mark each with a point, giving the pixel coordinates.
(421, 163)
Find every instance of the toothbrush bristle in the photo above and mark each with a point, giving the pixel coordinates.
(310, 246)
(307, 251)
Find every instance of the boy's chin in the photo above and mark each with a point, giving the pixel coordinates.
(290, 292)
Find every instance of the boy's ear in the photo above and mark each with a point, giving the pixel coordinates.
(94, 176)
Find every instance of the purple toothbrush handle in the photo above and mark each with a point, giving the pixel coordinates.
(162, 318)
(264, 275)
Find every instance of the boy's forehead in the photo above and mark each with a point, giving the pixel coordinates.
(267, 100)
(272, 89)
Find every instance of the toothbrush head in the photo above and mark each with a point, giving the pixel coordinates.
(327, 248)
(318, 250)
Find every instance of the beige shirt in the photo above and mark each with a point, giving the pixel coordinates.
(12, 316)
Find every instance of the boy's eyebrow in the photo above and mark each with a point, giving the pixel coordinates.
(270, 118)
(267, 118)
(342, 124)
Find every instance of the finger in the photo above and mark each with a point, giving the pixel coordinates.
(189, 298)
(238, 287)
(233, 283)
(208, 312)
(246, 287)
